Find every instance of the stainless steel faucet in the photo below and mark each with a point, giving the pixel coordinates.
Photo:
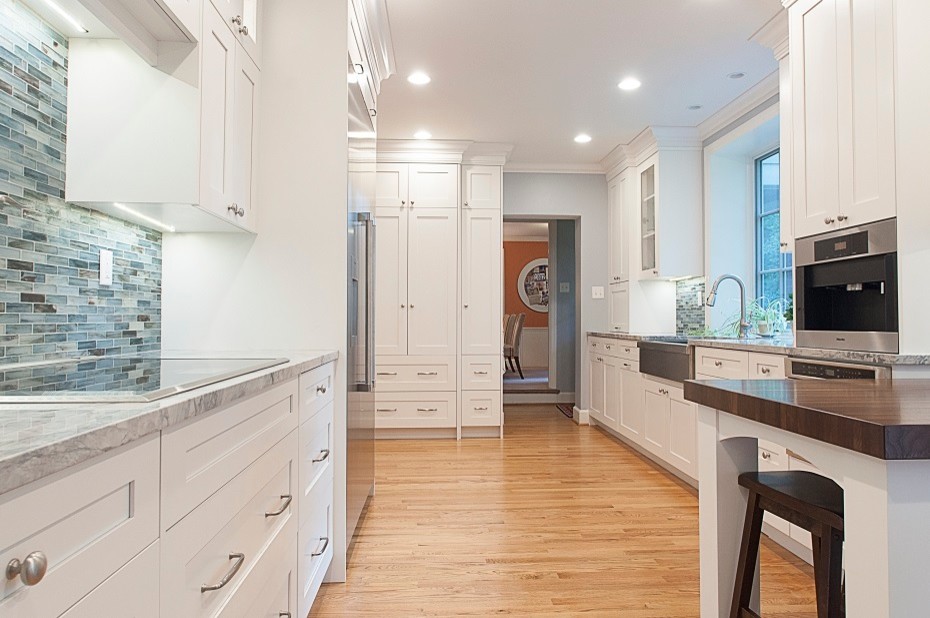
(712, 298)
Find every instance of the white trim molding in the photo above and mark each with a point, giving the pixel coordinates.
(442, 151)
(746, 103)
(372, 16)
(774, 35)
(554, 168)
(647, 143)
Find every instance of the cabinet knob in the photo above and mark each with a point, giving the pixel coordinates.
(842, 218)
(718, 363)
(244, 30)
(403, 202)
(31, 570)
(411, 202)
(374, 112)
(466, 204)
(466, 306)
(236, 210)
(402, 305)
(359, 69)
(766, 455)
(411, 305)
(321, 390)
(766, 371)
(237, 20)
(829, 220)
(783, 245)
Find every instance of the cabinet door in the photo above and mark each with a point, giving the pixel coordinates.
(482, 274)
(597, 386)
(245, 130)
(815, 93)
(655, 426)
(482, 186)
(217, 79)
(785, 135)
(612, 392)
(391, 186)
(433, 186)
(682, 434)
(632, 416)
(391, 281)
(648, 220)
(615, 244)
(620, 306)
(432, 282)
(250, 30)
(866, 110)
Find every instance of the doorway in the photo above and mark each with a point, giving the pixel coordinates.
(540, 275)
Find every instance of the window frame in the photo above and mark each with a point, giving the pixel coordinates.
(785, 267)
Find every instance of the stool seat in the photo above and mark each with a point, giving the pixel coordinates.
(809, 490)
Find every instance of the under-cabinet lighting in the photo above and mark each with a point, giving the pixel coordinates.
(582, 138)
(146, 218)
(419, 78)
(422, 135)
(629, 83)
(66, 16)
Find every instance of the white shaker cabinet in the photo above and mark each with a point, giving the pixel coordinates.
(632, 413)
(481, 281)
(670, 425)
(619, 307)
(481, 187)
(432, 285)
(597, 387)
(618, 229)
(842, 90)
(433, 185)
(391, 280)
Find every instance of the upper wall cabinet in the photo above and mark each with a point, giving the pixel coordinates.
(242, 19)
(842, 61)
(481, 187)
(618, 229)
(171, 150)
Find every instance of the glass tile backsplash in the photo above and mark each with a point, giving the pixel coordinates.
(51, 302)
(689, 310)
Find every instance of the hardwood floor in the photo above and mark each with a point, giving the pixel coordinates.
(555, 519)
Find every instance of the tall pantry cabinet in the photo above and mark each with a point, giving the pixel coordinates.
(438, 298)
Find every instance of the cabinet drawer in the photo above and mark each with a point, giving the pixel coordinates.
(131, 592)
(724, 364)
(88, 524)
(231, 528)
(270, 588)
(618, 348)
(316, 456)
(200, 457)
(629, 365)
(481, 409)
(423, 373)
(316, 390)
(314, 547)
(413, 410)
(481, 373)
(766, 367)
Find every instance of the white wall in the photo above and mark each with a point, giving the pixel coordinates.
(534, 348)
(285, 288)
(570, 196)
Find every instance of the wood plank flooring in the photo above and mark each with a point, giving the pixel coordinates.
(555, 519)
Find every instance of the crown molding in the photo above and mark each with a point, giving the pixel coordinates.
(443, 151)
(616, 161)
(375, 26)
(487, 153)
(740, 106)
(787, 3)
(774, 35)
(553, 168)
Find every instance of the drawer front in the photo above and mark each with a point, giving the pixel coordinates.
(618, 348)
(481, 373)
(404, 373)
(724, 364)
(226, 535)
(316, 390)
(316, 456)
(88, 524)
(131, 592)
(200, 457)
(414, 410)
(269, 589)
(629, 365)
(766, 367)
(481, 409)
(314, 547)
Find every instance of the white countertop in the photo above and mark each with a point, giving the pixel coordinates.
(37, 440)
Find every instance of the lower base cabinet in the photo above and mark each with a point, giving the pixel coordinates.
(314, 546)
(669, 424)
(481, 408)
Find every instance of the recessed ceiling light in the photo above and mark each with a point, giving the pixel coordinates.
(695, 107)
(629, 83)
(582, 138)
(419, 78)
(737, 75)
(422, 134)
(67, 16)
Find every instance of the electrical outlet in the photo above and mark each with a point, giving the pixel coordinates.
(597, 291)
(106, 267)
(564, 288)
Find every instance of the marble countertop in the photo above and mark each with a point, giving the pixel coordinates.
(785, 346)
(37, 440)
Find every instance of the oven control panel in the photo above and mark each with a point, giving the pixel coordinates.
(829, 371)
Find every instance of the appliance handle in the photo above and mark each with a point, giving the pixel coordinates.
(369, 301)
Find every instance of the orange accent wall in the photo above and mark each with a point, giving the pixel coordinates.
(516, 256)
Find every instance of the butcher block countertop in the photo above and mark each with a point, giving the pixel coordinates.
(889, 420)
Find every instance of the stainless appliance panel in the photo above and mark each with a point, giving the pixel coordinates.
(882, 237)
(806, 369)
(670, 359)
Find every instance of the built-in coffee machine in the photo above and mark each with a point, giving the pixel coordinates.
(847, 289)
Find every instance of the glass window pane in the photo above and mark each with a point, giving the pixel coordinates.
(771, 287)
(770, 242)
(769, 184)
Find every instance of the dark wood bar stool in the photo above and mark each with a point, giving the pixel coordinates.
(805, 499)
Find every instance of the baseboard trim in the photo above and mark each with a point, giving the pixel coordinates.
(581, 416)
(426, 433)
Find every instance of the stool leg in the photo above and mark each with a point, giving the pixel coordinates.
(830, 601)
(748, 557)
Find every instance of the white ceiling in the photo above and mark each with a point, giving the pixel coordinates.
(535, 73)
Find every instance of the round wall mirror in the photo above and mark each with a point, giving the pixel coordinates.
(533, 285)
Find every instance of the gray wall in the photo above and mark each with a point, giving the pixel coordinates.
(566, 323)
(50, 300)
(570, 196)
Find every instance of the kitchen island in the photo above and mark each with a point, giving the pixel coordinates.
(873, 438)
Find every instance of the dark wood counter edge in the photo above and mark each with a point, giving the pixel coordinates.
(887, 442)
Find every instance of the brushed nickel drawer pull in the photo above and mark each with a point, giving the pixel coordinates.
(481, 409)
(287, 502)
(766, 371)
(321, 550)
(324, 455)
(718, 363)
(321, 390)
(427, 373)
(240, 559)
(766, 455)
(387, 373)
(387, 409)
(284, 614)
(481, 373)
(427, 409)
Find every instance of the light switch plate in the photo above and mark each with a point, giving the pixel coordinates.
(564, 288)
(106, 267)
(597, 291)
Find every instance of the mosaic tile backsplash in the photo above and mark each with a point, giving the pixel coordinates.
(51, 303)
(689, 310)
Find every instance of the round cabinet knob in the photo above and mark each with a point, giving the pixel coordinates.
(829, 220)
(466, 306)
(842, 218)
(31, 570)
(403, 202)
(783, 245)
(237, 20)
(411, 306)
(466, 204)
(402, 306)
(244, 30)
(766, 455)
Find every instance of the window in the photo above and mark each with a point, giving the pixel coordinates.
(774, 274)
